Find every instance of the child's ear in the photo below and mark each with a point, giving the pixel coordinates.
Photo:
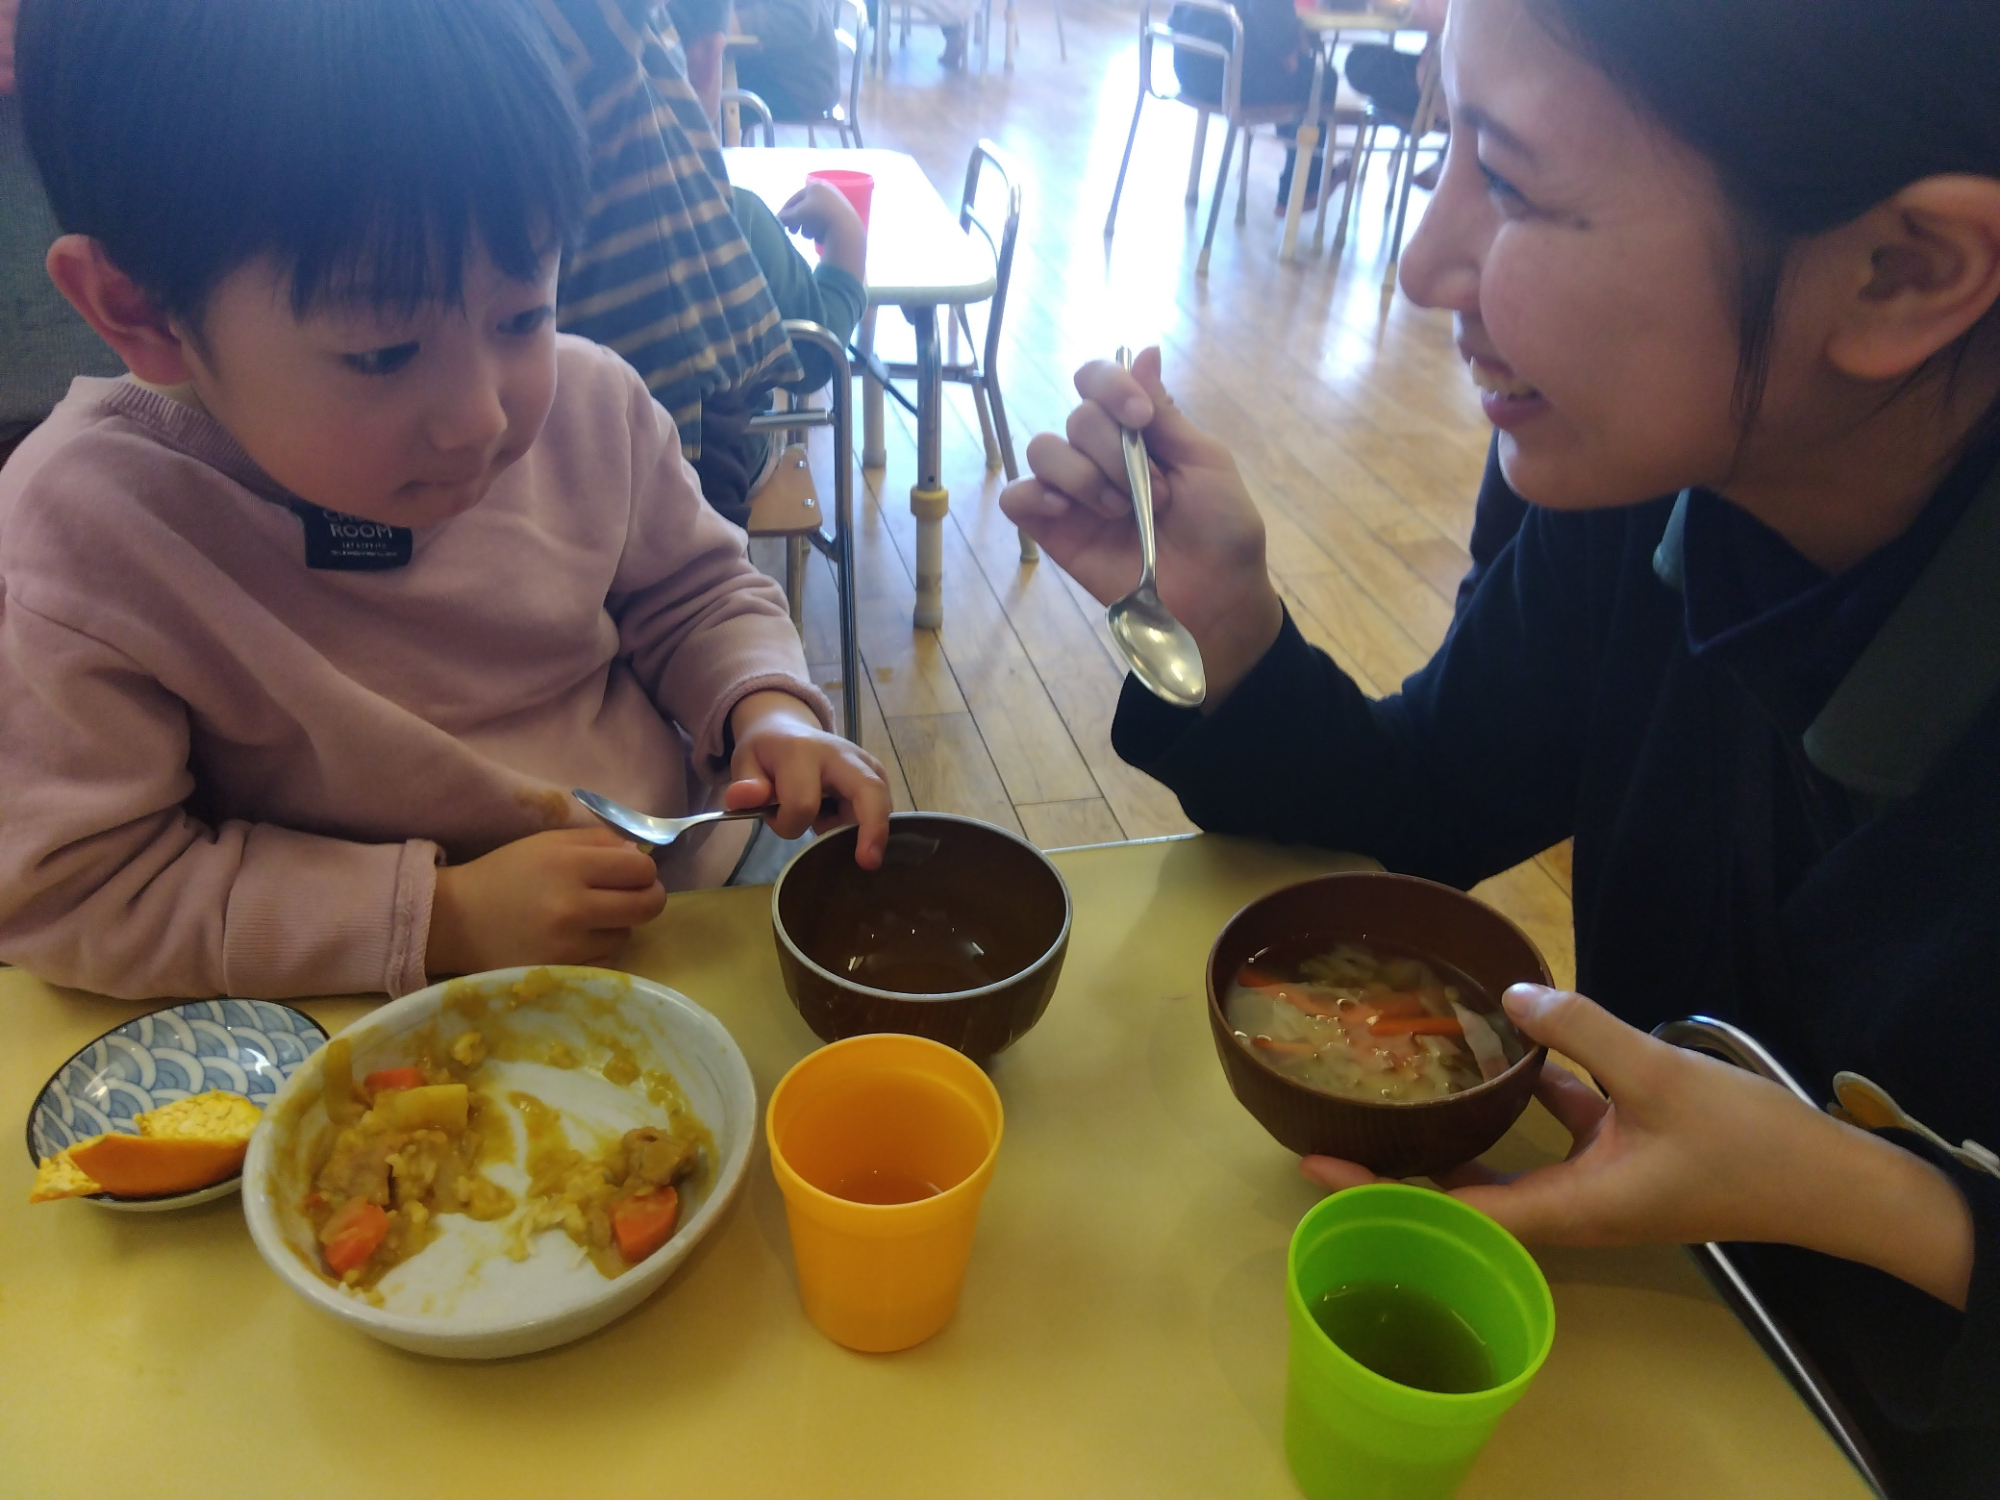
(123, 316)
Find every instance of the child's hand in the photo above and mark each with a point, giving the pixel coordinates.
(783, 756)
(822, 213)
(570, 896)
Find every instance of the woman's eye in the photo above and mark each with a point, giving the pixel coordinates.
(381, 361)
(529, 321)
(1503, 192)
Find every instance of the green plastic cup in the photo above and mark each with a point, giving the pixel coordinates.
(1351, 1434)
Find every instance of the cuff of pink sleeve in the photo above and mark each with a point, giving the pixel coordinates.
(712, 742)
(316, 916)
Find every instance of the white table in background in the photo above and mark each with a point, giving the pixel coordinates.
(920, 261)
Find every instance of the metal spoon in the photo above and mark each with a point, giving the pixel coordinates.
(1868, 1105)
(1156, 645)
(660, 831)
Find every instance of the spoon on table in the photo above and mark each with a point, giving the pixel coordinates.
(661, 832)
(1156, 645)
(1867, 1104)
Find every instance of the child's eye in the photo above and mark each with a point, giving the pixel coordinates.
(1502, 191)
(381, 361)
(529, 321)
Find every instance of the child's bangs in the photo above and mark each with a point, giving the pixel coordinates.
(365, 145)
(452, 143)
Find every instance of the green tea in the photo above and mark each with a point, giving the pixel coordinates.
(1406, 1336)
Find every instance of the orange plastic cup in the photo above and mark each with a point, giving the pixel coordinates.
(857, 188)
(882, 1146)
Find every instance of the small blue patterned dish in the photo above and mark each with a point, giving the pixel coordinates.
(247, 1047)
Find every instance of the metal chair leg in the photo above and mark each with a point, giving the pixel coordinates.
(1062, 50)
(796, 552)
(1326, 171)
(1215, 201)
(1364, 147)
(1118, 191)
(1194, 162)
(1243, 180)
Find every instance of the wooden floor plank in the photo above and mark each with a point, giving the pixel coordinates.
(948, 769)
(1066, 825)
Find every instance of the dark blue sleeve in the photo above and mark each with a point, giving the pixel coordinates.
(1469, 770)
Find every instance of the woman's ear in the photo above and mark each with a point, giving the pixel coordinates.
(1926, 270)
(123, 316)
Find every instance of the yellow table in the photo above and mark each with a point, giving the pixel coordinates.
(1122, 1334)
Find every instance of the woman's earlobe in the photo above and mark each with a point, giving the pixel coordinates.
(119, 312)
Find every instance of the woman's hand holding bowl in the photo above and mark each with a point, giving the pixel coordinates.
(1211, 540)
(1686, 1148)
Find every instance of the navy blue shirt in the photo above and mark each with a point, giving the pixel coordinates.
(1661, 723)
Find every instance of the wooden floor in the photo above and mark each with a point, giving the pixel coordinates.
(1356, 429)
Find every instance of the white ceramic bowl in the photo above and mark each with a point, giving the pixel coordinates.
(462, 1298)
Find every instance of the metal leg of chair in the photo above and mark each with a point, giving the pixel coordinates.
(1215, 201)
(1364, 147)
(1118, 191)
(985, 426)
(797, 550)
(1194, 162)
(1326, 171)
(1402, 214)
(1395, 171)
(1062, 50)
(1243, 181)
(991, 389)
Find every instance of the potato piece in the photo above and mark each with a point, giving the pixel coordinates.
(435, 1106)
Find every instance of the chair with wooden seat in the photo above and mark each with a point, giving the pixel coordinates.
(788, 506)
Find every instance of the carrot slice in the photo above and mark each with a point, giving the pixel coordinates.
(139, 1166)
(393, 1078)
(1401, 1003)
(1416, 1026)
(352, 1234)
(644, 1222)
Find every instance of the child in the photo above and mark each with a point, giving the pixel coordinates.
(310, 625)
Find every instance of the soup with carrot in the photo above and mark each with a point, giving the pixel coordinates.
(1366, 1021)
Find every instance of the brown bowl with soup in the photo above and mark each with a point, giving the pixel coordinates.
(1358, 1015)
(958, 937)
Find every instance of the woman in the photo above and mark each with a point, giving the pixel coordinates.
(1726, 276)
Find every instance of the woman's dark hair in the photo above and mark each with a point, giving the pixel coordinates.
(367, 145)
(1811, 111)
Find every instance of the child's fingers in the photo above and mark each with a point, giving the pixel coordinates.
(604, 909)
(752, 789)
(622, 869)
(1103, 383)
(796, 785)
(863, 789)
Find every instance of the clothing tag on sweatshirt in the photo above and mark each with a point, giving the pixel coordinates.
(349, 544)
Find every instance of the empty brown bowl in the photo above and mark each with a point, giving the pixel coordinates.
(1395, 1139)
(958, 937)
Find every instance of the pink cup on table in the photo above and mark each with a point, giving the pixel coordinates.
(856, 187)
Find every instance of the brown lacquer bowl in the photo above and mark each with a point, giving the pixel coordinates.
(1413, 1139)
(959, 937)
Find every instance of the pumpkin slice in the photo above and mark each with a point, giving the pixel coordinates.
(182, 1146)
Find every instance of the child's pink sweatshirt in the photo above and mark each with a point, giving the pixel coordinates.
(225, 772)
